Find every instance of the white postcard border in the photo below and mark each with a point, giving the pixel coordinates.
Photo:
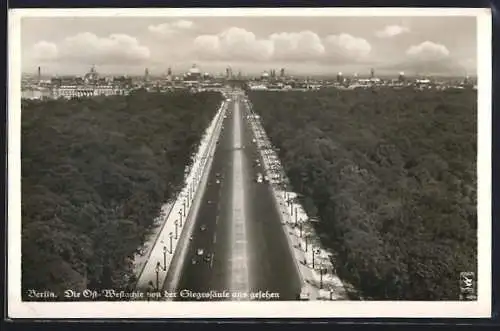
(320, 309)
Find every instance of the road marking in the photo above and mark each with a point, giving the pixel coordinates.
(239, 261)
(215, 238)
(212, 260)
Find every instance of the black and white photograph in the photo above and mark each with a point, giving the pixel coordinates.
(300, 162)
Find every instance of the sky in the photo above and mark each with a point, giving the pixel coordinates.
(302, 45)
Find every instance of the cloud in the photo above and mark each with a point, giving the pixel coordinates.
(431, 58)
(170, 28)
(87, 48)
(391, 31)
(238, 44)
(345, 46)
(45, 51)
(428, 51)
(305, 45)
(233, 44)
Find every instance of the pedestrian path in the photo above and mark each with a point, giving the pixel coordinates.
(152, 273)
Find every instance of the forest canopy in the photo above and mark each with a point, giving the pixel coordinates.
(391, 175)
(95, 173)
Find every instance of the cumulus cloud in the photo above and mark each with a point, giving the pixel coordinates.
(233, 43)
(428, 51)
(429, 57)
(45, 51)
(242, 45)
(346, 46)
(90, 49)
(297, 46)
(391, 31)
(170, 28)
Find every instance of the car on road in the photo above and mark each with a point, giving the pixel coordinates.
(217, 181)
(208, 257)
(203, 227)
(199, 251)
(266, 178)
(259, 178)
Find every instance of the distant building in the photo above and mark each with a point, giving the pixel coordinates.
(92, 76)
(401, 77)
(264, 76)
(193, 75)
(340, 78)
(122, 82)
(68, 92)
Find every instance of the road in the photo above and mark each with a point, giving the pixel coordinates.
(238, 227)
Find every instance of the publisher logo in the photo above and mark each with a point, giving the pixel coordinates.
(468, 286)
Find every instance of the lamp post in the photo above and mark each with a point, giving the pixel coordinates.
(170, 235)
(321, 275)
(176, 228)
(314, 252)
(184, 204)
(295, 215)
(307, 240)
(158, 276)
(180, 215)
(164, 258)
(300, 227)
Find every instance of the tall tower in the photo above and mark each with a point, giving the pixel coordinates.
(401, 77)
(340, 78)
(39, 74)
(146, 74)
(169, 74)
(282, 73)
(372, 73)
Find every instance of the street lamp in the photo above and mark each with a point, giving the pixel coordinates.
(180, 214)
(176, 228)
(300, 227)
(184, 204)
(295, 215)
(321, 275)
(158, 267)
(164, 258)
(314, 252)
(170, 235)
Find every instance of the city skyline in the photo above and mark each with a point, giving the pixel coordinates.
(302, 45)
